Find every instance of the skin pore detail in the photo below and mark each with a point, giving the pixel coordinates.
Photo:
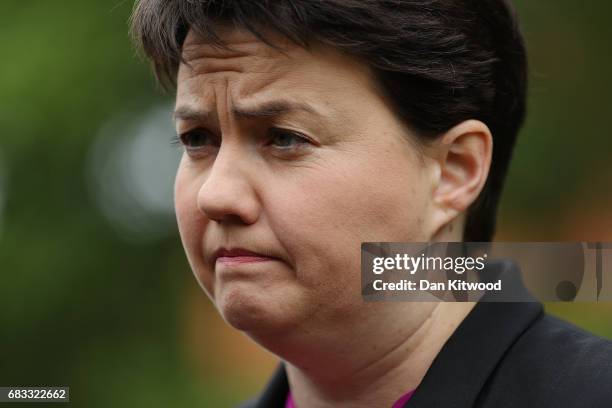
(296, 156)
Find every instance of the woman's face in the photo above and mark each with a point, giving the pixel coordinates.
(294, 156)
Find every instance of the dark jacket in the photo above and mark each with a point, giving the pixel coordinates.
(504, 355)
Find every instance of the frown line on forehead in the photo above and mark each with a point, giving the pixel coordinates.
(266, 109)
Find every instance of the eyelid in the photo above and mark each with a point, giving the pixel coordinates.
(295, 133)
(205, 149)
(201, 130)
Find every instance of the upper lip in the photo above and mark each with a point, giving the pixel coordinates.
(235, 252)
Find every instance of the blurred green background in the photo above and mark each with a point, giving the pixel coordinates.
(96, 293)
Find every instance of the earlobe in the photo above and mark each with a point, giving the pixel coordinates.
(463, 159)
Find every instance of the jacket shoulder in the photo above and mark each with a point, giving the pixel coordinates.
(553, 363)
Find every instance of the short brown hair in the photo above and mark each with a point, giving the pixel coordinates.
(440, 62)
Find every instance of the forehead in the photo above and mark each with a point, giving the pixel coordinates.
(249, 69)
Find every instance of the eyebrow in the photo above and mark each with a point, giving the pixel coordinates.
(264, 110)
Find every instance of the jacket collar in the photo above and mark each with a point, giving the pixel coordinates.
(467, 359)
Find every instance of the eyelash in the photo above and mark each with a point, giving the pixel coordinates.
(180, 140)
(273, 132)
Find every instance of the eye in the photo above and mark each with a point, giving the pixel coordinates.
(197, 139)
(286, 139)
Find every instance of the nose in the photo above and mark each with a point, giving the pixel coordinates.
(228, 194)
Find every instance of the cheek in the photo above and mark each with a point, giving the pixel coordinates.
(323, 217)
(191, 225)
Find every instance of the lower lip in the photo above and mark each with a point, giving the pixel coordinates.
(235, 260)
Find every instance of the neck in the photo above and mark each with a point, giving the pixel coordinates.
(371, 368)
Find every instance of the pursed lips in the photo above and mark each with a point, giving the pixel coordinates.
(239, 256)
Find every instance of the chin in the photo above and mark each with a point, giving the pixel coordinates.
(253, 309)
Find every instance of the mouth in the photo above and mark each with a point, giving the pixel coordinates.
(236, 256)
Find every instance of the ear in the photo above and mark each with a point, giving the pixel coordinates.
(462, 159)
